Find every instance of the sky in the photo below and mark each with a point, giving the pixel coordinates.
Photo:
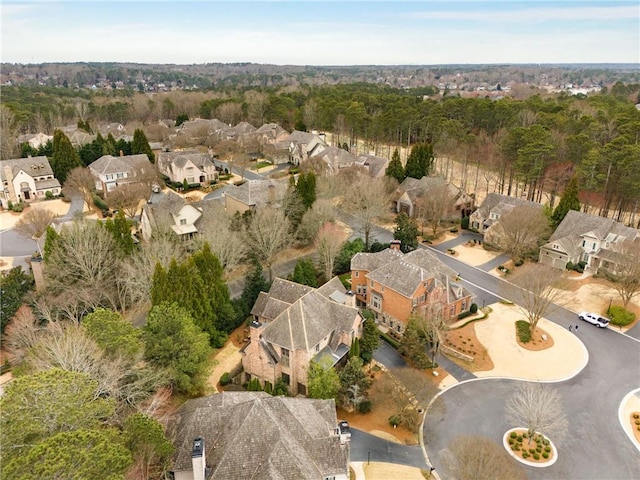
(328, 32)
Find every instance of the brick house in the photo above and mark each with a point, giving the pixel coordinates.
(394, 285)
(294, 325)
(26, 179)
(192, 166)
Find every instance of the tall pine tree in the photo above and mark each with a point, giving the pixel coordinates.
(140, 144)
(420, 161)
(395, 168)
(65, 158)
(306, 188)
(569, 201)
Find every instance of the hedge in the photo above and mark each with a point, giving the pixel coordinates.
(523, 329)
(619, 316)
(394, 343)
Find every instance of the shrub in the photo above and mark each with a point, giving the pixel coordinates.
(519, 438)
(16, 207)
(451, 251)
(225, 379)
(465, 314)
(513, 435)
(48, 195)
(294, 170)
(364, 406)
(517, 447)
(536, 456)
(464, 223)
(511, 441)
(519, 262)
(619, 316)
(100, 203)
(636, 415)
(545, 442)
(474, 308)
(545, 455)
(523, 330)
(394, 420)
(390, 340)
(454, 230)
(525, 454)
(569, 266)
(547, 449)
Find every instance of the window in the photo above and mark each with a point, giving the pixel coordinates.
(372, 283)
(376, 302)
(356, 274)
(584, 243)
(452, 311)
(594, 246)
(110, 177)
(422, 298)
(286, 379)
(464, 305)
(382, 288)
(190, 179)
(120, 175)
(285, 358)
(317, 347)
(183, 221)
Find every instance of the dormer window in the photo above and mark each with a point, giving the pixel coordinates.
(556, 247)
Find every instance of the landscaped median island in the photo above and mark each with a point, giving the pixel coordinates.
(535, 452)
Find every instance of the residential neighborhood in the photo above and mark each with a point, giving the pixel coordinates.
(250, 296)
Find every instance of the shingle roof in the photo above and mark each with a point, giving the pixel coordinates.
(181, 158)
(376, 165)
(110, 164)
(336, 158)
(33, 166)
(494, 199)
(258, 192)
(252, 435)
(372, 261)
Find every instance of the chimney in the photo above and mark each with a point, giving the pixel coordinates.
(8, 175)
(394, 244)
(121, 153)
(198, 459)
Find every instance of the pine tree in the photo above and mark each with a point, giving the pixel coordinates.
(305, 273)
(306, 188)
(420, 161)
(65, 158)
(120, 228)
(140, 144)
(254, 284)
(395, 168)
(407, 232)
(569, 201)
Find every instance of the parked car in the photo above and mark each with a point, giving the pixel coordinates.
(594, 319)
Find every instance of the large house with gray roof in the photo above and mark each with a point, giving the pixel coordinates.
(411, 191)
(110, 171)
(395, 285)
(255, 436)
(254, 194)
(582, 237)
(26, 180)
(171, 213)
(191, 165)
(333, 159)
(492, 208)
(294, 325)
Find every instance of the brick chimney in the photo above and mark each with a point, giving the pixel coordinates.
(121, 153)
(395, 244)
(8, 175)
(198, 459)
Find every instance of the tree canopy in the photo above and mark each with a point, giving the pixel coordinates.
(65, 158)
(14, 285)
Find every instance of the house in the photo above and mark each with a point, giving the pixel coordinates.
(191, 165)
(254, 194)
(376, 166)
(582, 237)
(394, 285)
(26, 179)
(172, 213)
(254, 436)
(333, 159)
(411, 191)
(294, 325)
(270, 133)
(116, 129)
(110, 171)
(35, 140)
(492, 208)
(303, 145)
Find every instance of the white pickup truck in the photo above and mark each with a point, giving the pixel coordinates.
(595, 319)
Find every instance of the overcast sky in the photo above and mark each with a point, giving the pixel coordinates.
(321, 32)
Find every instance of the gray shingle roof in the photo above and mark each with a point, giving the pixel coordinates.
(372, 261)
(336, 158)
(252, 435)
(492, 200)
(258, 193)
(180, 159)
(33, 166)
(128, 163)
(375, 164)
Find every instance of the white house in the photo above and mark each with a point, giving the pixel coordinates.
(193, 166)
(110, 171)
(26, 179)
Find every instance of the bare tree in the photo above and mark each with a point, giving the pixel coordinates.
(431, 324)
(80, 182)
(624, 269)
(268, 232)
(368, 198)
(521, 230)
(229, 112)
(535, 289)
(128, 197)
(225, 243)
(538, 408)
(85, 258)
(256, 107)
(478, 458)
(328, 244)
(240, 162)
(435, 205)
(34, 223)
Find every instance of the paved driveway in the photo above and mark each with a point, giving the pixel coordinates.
(366, 447)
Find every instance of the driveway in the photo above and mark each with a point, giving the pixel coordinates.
(366, 447)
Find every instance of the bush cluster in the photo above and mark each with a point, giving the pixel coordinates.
(523, 330)
(619, 316)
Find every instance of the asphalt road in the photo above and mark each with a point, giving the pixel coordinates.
(366, 447)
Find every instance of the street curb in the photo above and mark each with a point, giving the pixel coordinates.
(624, 421)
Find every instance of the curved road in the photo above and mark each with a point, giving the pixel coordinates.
(596, 446)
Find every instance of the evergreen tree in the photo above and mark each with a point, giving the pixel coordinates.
(254, 284)
(65, 158)
(407, 232)
(569, 201)
(120, 228)
(145, 439)
(305, 273)
(354, 351)
(370, 336)
(322, 380)
(109, 146)
(13, 287)
(140, 144)
(420, 161)
(116, 336)
(306, 187)
(174, 342)
(50, 241)
(395, 168)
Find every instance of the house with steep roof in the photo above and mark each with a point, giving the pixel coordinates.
(394, 285)
(173, 213)
(303, 145)
(294, 325)
(110, 171)
(334, 159)
(35, 140)
(270, 133)
(493, 207)
(412, 190)
(376, 166)
(26, 179)
(255, 436)
(254, 194)
(191, 165)
(582, 237)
